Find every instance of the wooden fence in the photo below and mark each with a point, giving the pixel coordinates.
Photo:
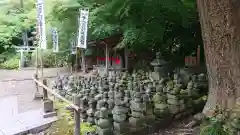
(75, 105)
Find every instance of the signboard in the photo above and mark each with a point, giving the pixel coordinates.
(82, 30)
(55, 40)
(41, 24)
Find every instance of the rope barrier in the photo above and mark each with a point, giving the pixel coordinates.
(54, 93)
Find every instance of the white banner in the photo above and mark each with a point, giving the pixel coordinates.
(41, 24)
(55, 40)
(82, 30)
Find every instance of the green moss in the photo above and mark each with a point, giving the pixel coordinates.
(65, 124)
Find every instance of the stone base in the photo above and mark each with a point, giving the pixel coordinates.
(104, 131)
(49, 114)
(121, 128)
(174, 109)
(182, 107)
(136, 122)
(38, 96)
(150, 118)
(48, 106)
(155, 76)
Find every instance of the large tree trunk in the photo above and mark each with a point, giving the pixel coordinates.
(220, 23)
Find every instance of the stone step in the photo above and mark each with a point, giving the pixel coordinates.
(24, 122)
(8, 107)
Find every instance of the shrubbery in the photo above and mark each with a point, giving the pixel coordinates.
(9, 61)
(51, 59)
(222, 122)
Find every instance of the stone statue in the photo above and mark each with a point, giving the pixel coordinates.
(137, 108)
(159, 101)
(120, 114)
(91, 111)
(83, 107)
(110, 99)
(104, 125)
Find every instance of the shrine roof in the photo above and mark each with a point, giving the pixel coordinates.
(111, 41)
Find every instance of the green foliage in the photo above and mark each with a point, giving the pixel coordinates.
(51, 59)
(222, 122)
(213, 127)
(169, 25)
(11, 63)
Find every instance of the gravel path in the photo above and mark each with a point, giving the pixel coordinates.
(27, 74)
(19, 83)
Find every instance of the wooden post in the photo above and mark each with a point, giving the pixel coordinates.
(77, 116)
(76, 61)
(83, 61)
(107, 58)
(38, 95)
(126, 57)
(198, 56)
(55, 60)
(45, 94)
(40, 56)
(36, 77)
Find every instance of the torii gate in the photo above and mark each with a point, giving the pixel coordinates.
(21, 50)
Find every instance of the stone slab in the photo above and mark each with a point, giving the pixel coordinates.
(8, 107)
(50, 114)
(25, 122)
(12, 127)
(33, 119)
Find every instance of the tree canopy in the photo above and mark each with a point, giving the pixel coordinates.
(168, 25)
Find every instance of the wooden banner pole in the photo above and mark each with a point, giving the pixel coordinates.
(83, 61)
(76, 64)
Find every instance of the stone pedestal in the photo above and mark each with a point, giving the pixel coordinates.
(49, 114)
(161, 110)
(139, 131)
(101, 131)
(173, 103)
(120, 128)
(174, 109)
(136, 122)
(38, 95)
(48, 109)
(48, 106)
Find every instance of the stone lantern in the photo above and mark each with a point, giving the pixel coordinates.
(161, 67)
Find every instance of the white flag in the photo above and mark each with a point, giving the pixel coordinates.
(55, 40)
(41, 24)
(82, 30)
